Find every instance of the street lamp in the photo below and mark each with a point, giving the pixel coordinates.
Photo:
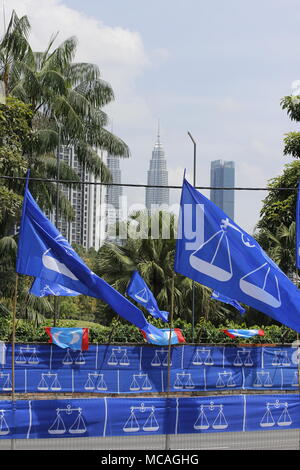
(193, 283)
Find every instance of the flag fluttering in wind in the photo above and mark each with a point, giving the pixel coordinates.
(73, 338)
(163, 338)
(214, 251)
(42, 288)
(140, 292)
(45, 254)
(226, 300)
(243, 333)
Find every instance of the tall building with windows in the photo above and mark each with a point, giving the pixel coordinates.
(222, 175)
(157, 176)
(84, 229)
(113, 195)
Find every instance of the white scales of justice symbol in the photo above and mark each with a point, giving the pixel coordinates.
(212, 269)
(53, 264)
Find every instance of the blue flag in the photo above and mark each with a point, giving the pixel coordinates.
(44, 253)
(140, 292)
(298, 228)
(213, 250)
(226, 300)
(42, 288)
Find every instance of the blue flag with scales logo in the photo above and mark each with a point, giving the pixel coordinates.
(214, 251)
(140, 292)
(45, 254)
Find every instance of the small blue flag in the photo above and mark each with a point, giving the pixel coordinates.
(140, 292)
(44, 253)
(214, 251)
(42, 288)
(226, 300)
(163, 339)
(76, 339)
(298, 228)
(243, 333)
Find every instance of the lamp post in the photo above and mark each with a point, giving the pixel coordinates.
(193, 283)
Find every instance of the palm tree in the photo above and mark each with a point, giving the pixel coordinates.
(280, 246)
(66, 99)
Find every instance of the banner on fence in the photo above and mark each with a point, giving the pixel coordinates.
(102, 417)
(131, 369)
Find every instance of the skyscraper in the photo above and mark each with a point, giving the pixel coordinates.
(113, 194)
(157, 176)
(84, 229)
(222, 175)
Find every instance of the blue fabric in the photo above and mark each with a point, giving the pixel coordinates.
(46, 368)
(243, 333)
(141, 416)
(44, 253)
(165, 339)
(226, 300)
(225, 258)
(140, 292)
(298, 229)
(42, 288)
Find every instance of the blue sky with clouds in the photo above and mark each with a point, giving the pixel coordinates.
(218, 69)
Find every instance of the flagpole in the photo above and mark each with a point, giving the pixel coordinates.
(193, 282)
(167, 446)
(13, 342)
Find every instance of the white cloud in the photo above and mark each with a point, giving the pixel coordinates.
(119, 52)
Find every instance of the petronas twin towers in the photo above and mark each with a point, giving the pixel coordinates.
(157, 176)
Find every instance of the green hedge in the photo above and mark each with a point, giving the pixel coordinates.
(118, 332)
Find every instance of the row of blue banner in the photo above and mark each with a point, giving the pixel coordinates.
(102, 417)
(142, 369)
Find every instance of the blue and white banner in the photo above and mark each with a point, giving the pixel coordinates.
(117, 369)
(214, 251)
(140, 292)
(102, 417)
(45, 254)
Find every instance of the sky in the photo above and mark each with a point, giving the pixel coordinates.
(216, 69)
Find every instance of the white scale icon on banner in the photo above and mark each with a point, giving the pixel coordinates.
(142, 296)
(22, 357)
(160, 358)
(69, 360)
(150, 424)
(284, 419)
(263, 379)
(140, 381)
(7, 385)
(222, 256)
(49, 381)
(202, 356)
(281, 359)
(4, 428)
(243, 358)
(95, 380)
(184, 381)
(202, 422)
(225, 379)
(58, 426)
(115, 360)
